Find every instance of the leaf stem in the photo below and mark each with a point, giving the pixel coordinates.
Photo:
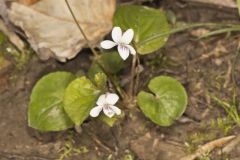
(137, 75)
(95, 53)
(133, 69)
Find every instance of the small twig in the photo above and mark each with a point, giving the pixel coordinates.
(209, 147)
(231, 145)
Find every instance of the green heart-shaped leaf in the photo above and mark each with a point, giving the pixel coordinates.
(79, 98)
(146, 23)
(168, 103)
(110, 61)
(45, 110)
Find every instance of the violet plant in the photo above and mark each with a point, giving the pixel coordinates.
(62, 100)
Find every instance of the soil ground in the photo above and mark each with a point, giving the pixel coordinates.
(203, 66)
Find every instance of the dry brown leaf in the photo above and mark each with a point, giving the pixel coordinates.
(51, 30)
(14, 39)
(28, 2)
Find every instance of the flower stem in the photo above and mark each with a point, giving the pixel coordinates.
(137, 75)
(95, 53)
(133, 69)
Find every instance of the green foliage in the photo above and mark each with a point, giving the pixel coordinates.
(109, 121)
(168, 103)
(61, 99)
(146, 23)
(2, 38)
(225, 124)
(69, 149)
(79, 98)
(45, 111)
(21, 58)
(100, 79)
(171, 17)
(93, 70)
(110, 61)
(231, 109)
(198, 137)
(128, 156)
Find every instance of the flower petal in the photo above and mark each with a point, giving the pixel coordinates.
(102, 100)
(123, 51)
(116, 34)
(108, 111)
(132, 50)
(111, 98)
(95, 111)
(116, 110)
(127, 36)
(107, 44)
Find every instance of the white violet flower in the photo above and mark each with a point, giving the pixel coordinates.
(106, 103)
(122, 42)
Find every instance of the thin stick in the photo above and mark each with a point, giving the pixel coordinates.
(117, 88)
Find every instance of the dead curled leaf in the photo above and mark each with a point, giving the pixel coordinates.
(51, 30)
